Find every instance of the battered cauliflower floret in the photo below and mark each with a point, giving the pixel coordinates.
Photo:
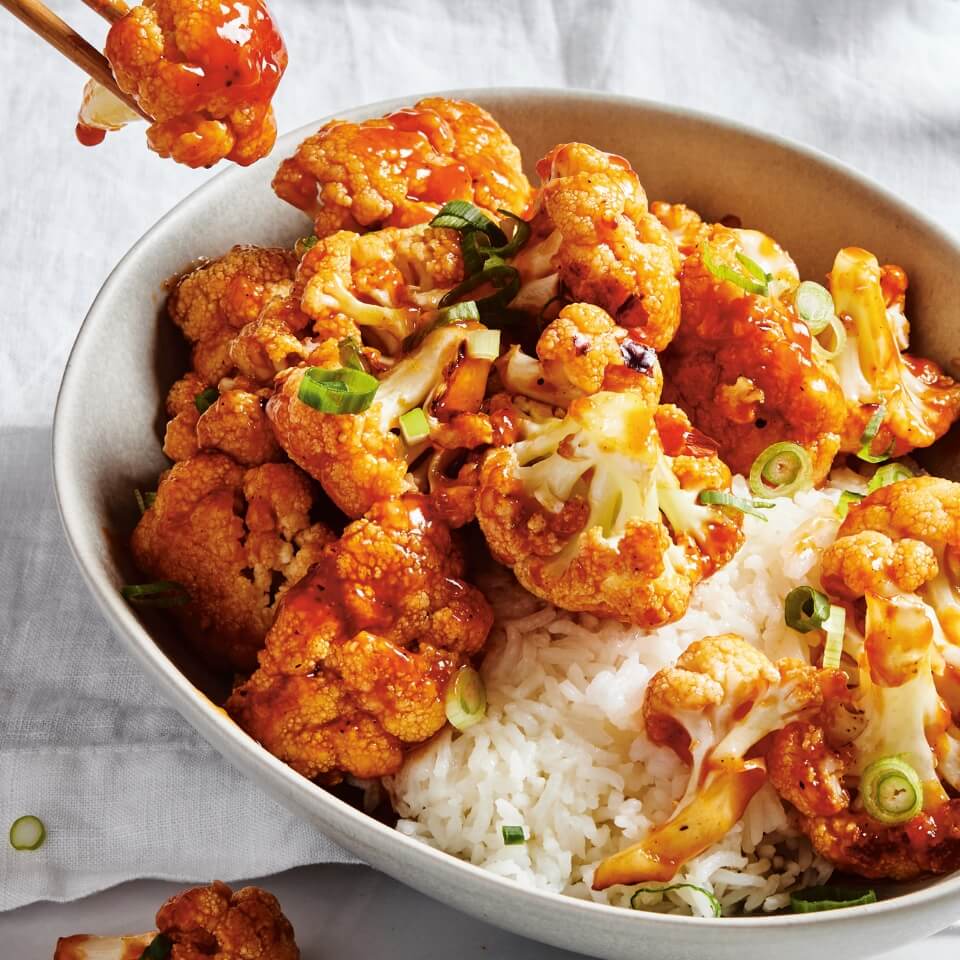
(919, 401)
(211, 303)
(744, 365)
(592, 233)
(684, 224)
(360, 458)
(236, 424)
(180, 438)
(203, 922)
(594, 515)
(205, 72)
(806, 771)
(227, 534)
(357, 662)
(870, 562)
(399, 170)
(385, 285)
(721, 698)
(269, 344)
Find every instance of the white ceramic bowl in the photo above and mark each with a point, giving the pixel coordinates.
(107, 441)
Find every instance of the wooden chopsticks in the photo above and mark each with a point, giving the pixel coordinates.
(46, 24)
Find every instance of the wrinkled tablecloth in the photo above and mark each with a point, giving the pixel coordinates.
(126, 788)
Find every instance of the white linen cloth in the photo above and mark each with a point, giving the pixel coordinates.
(125, 787)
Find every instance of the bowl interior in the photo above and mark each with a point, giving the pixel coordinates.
(109, 427)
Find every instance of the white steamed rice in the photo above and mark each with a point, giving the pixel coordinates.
(562, 750)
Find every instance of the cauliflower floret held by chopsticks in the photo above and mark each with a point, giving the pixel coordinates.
(720, 699)
(204, 71)
(357, 663)
(400, 170)
(874, 775)
(213, 921)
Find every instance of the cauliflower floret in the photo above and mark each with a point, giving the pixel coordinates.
(205, 72)
(685, 225)
(399, 170)
(592, 231)
(269, 344)
(203, 922)
(212, 302)
(721, 698)
(744, 365)
(180, 438)
(236, 424)
(226, 534)
(357, 663)
(384, 283)
(592, 513)
(360, 458)
(920, 402)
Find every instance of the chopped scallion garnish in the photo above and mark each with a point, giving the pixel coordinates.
(805, 609)
(814, 899)
(504, 279)
(513, 835)
(27, 833)
(887, 474)
(815, 306)
(414, 426)
(751, 283)
(466, 699)
(159, 948)
(834, 627)
(350, 355)
(483, 344)
(144, 500)
(781, 470)
(304, 244)
(847, 497)
(466, 310)
(464, 216)
(891, 790)
(160, 593)
(834, 326)
(206, 399)
(713, 901)
(720, 498)
(343, 390)
(869, 435)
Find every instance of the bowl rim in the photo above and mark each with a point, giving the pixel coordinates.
(230, 741)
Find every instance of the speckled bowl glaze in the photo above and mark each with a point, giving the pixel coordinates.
(103, 448)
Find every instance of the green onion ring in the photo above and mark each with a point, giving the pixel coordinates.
(815, 306)
(721, 498)
(343, 390)
(350, 354)
(869, 435)
(847, 497)
(159, 948)
(160, 593)
(815, 899)
(714, 902)
(144, 500)
(786, 465)
(834, 627)
(753, 268)
(483, 344)
(504, 279)
(465, 310)
(722, 272)
(805, 609)
(204, 400)
(513, 835)
(887, 474)
(462, 215)
(839, 331)
(27, 833)
(304, 244)
(466, 699)
(891, 790)
(414, 426)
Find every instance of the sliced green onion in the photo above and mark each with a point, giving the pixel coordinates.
(753, 268)
(815, 305)
(464, 216)
(891, 790)
(466, 700)
(304, 244)
(839, 331)
(815, 899)
(483, 344)
(513, 835)
(144, 500)
(504, 279)
(847, 497)
(870, 433)
(414, 426)
(159, 948)
(714, 902)
(805, 609)
(342, 390)
(887, 474)
(350, 355)
(722, 272)
(466, 310)
(206, 399)
(27, 833)
(160, 593)
(834, 626)
(720, 498)
(786, 466)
